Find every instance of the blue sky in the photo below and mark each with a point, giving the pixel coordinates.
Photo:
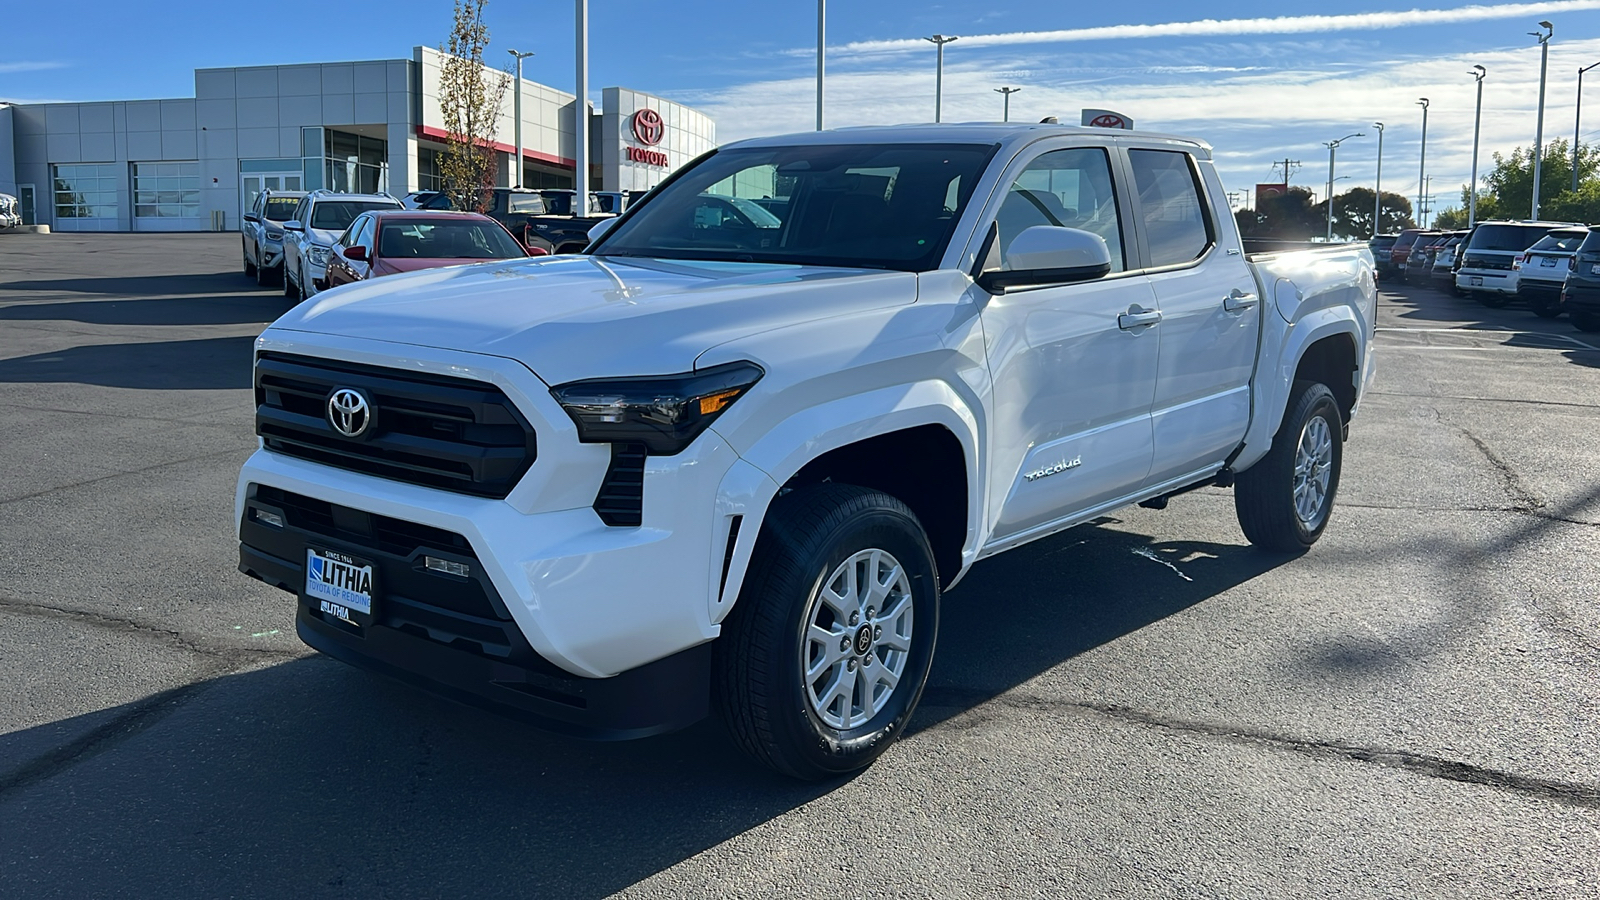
(1257, 90)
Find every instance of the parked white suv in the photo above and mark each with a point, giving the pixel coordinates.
(712, 464)
(1487, 256)
(320, 219)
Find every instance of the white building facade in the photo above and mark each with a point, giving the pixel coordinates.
(194, 164)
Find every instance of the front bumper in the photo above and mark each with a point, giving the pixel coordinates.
(271, 255)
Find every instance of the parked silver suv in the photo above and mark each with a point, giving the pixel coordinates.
(261, 234)
(319, 220)
(9, 218)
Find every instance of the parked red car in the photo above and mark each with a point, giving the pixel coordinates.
(385, 242)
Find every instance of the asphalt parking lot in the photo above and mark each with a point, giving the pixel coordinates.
(1144, 706)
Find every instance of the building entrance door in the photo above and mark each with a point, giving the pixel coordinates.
(253, 183)
(26, 199)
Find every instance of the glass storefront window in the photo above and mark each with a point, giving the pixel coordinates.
(86, 191)
(354, 163)
(167, 190)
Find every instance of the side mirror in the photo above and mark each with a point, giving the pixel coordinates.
(357, 252)
(601, 228)
(538, 251)
(252, 217)
(294, 225)
(1049, 254)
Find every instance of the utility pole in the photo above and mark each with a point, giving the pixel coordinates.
(1477, 122)
(822, 35)
(939, 40)
(1422, 165)
(516, 173)
(580, 115)
(1377, 183)
(1007, 91)
(1577, 120)
(1287, 165)
(1538, 134)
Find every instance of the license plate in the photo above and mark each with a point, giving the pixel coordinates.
(340, 585)
(1594, 270)
(1475, 280)
(1548, 262)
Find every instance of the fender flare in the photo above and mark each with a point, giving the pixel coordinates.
(1272, 384)
(748, 488)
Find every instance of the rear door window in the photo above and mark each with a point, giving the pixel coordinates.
(1177, 226)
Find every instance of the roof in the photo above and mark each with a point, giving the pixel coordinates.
(1016, 133)
(428, 214)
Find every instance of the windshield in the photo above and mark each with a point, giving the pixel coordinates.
(281, 209)
(1561, 241)
(336, 215)
(885, 206)
(446, 240)
(1506, 237)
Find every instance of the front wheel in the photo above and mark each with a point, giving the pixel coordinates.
(249, 267)
(1284, 500)
(822, 661)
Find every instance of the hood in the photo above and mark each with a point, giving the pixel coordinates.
(572, 317)
(390, 265)
(323, 236)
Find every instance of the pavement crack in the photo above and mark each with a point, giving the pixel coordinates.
(99, 478)
(234, 656)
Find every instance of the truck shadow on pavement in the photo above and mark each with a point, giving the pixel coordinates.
(216, 310)
(140, 285)
(308, 778)
(204, 364)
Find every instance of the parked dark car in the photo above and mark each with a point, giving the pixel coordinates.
(1380, 247)
(1543, 268)
(541, 219)
(1580, 293)
(1402, 248)
(387, 243)
(1441, 274)
(1411, 265)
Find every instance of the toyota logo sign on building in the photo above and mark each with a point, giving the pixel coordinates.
(648, 127)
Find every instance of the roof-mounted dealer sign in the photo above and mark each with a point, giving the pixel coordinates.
(1105, 118)
(648, 129)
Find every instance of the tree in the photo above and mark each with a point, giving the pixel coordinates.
(1508, 187)
(469, 99)
(1352, 213)
(1290, 216)
(1452, 219)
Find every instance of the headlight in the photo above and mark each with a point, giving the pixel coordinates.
(665, 413)
(274, 235)
(318, 255)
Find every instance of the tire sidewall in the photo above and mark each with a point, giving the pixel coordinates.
(1317, 401)
(827, 748)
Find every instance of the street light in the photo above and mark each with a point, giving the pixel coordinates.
(516, 105)
(822, 33)
(1422, 166)
(1332, 146)
(1377, 183)
(1576, 119)
(1007, 91)
(1538, 133)
(940, 40)
(1477, 120)
(580, 111)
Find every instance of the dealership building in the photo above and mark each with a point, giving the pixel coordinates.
(194, 164)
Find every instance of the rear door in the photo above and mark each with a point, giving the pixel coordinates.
(1210, 314)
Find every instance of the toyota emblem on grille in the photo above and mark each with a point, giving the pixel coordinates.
(349, 412)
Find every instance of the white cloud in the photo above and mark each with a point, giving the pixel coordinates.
(7, 68)
(1276, 25)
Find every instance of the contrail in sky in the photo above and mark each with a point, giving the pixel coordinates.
(1279, 25)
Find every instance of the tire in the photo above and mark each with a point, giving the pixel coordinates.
(267, 277)
(816, 538)
(1586, 321)
(1543, 308)
(250, 268)
(288, 283)
(1264, 495)
(1493, 299)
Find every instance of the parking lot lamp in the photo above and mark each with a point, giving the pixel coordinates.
(1477, 72)
(1333, 146)
(580, 115)
(1377, 183)
(1538, 132)
(822, 34)
(1007, 91)
(516, 103)
(1422, 166)
(1577, 119)
(939, 40)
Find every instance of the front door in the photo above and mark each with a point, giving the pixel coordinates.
(1074, 365)
(252, 184)
(27, 197)
(1210, 314)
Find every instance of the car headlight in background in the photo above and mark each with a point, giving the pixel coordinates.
(318, 254)
(665, 413)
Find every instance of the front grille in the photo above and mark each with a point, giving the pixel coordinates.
(437, 431)
(1476, 261)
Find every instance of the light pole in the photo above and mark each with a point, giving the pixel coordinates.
(1007, 91)
(1332, 146)
(940, 40)
(1377, 183)
(1577, 119)
(1477, 72)
(1538, 133)
(1422, 167)
(822, 34)
(516, 105)
(580, 115)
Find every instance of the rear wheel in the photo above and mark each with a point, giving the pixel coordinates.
(250, 268)
(823, 659)
(1493, 299)
(1586, 321)
(1544, 307)
(1284, 501)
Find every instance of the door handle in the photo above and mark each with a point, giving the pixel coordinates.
(1238, 301)
(1136, 317)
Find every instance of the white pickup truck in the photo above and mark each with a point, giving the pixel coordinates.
(729, 460)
